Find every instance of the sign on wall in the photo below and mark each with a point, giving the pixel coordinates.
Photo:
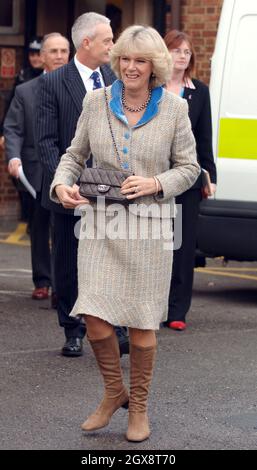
(8, 62)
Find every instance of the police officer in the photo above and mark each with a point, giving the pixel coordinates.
(35, 64)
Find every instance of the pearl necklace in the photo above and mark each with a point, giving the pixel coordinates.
(139, 108)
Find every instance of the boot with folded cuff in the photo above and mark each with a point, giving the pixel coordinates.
(107, 354)
(141, 371)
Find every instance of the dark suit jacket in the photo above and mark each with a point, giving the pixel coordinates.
(59, 107)
(19, 131)
(200, 116)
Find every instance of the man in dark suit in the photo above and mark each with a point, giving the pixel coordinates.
(20, 150)
(60, 105)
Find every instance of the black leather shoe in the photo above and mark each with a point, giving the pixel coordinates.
(73, 347)
(123, 340)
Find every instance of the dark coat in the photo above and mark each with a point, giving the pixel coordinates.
(200, 117)
(59, 107)
(19, 131)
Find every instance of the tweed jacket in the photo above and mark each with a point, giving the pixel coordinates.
(161, 144)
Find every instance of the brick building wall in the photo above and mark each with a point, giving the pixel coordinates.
(199, 19)
(9, 204)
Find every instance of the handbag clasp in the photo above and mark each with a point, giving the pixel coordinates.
(103, 188)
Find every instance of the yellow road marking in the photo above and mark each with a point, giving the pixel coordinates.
(15, 238)
(225, 274)
(213, 268)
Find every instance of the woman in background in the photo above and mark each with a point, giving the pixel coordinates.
(198, 98)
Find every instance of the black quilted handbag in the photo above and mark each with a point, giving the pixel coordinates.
(95, 182)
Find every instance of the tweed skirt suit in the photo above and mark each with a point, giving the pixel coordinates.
(125, 278)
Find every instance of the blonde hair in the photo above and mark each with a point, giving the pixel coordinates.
(146, 43)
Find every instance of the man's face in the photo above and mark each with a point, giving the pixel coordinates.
(99, 47)
(35, 60)
(55, 53)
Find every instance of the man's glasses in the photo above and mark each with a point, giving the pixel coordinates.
(185, 52)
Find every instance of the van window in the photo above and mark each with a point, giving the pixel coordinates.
(242, 96)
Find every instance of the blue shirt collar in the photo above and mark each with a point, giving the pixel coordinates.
(117, 109)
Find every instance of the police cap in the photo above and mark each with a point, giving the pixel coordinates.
(34, 45)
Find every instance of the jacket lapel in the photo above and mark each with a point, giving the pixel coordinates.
(108, 75)
(189, 95)
(75, 85)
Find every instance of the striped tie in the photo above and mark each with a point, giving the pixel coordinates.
(96, 79)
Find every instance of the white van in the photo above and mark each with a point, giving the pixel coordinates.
(228, 222)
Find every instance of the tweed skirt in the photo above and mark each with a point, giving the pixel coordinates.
(124, 269)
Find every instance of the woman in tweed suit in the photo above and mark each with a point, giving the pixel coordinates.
(124, 279)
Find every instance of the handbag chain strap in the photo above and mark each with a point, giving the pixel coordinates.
(110, 126)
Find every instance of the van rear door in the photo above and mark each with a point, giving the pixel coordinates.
(228, 222)
(234, 101)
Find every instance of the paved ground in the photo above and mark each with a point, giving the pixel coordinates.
(204, 390)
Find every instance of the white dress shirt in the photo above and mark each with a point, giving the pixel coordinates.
(85, 73)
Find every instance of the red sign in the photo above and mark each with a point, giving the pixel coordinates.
(8, 59)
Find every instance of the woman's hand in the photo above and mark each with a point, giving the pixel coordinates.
(138, 186)
(69, 196)
(206, 192)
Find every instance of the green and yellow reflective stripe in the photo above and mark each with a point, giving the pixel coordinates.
(238, 138)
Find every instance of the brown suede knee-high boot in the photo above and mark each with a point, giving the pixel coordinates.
(108, 358)
(141, 371)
